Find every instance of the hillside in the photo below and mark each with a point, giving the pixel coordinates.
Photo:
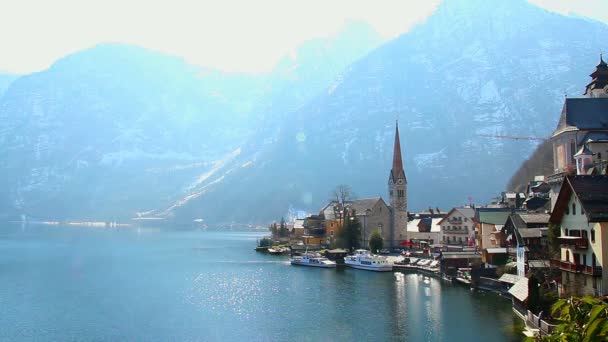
(116, 130)
(480, 67)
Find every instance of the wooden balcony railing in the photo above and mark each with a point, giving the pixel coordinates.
(576, 268)
(573, 241)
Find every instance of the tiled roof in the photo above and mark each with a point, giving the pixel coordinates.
(520, 289)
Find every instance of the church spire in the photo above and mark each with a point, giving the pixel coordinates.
(397, 162)
(397, 170)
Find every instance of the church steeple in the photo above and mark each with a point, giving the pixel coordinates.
(397, 171)
(397, 193)
(598, 87)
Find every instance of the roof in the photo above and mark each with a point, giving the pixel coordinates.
(583, 114)
(592, 193)
(584, 150)
(496, 250)
(496, 216)
(532, 232)
(412, 226)
(361, 205)
(520, 289)
(534, 218)
(460, 255)
(397, 170)
(464, 211)
(509, 278)
(539, 263)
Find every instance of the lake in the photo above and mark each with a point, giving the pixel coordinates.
(146, 284)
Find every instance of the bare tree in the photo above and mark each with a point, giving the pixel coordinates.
(342, 194)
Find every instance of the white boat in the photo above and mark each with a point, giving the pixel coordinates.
(312, 259)
(364, 260)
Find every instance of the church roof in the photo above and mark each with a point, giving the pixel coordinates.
(583, 114)
(584, 150)
(361, 205)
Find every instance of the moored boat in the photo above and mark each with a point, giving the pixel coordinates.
(364, 260)
(312, 259)
(278, 250)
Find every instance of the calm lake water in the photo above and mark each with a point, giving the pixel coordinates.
(97, 284)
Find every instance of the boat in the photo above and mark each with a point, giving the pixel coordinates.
(312, 259)
(364, 260)
(278, 250)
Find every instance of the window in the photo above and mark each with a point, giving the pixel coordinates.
(567, 210)
(572, 151)
(391, 192)
(566, 233)
(584, 259)
(466, 219)
(573, 208)
(592, 235)
(582, 210)
(567, 256)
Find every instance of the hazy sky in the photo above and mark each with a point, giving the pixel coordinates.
(238, 35)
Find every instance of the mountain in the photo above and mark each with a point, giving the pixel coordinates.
(473, 67)
(116, 130)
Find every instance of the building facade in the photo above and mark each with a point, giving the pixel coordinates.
(582, 130)
(581, 211)
(457, 227)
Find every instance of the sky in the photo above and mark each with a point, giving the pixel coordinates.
(231, 35)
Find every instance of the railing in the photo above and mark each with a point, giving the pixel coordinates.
(536, 322)
(576, 268)
(573, 241)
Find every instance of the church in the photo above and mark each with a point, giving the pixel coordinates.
(374, 213)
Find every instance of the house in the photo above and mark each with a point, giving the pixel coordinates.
(457, 226)
(423, 232)
(526, 234)
(298, 228)
(314, 230)
(580, 140)
(581, 211)
(489, 237)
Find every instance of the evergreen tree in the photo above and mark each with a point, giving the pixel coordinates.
(283, 231)
(376, 242)
(274, 230)
(533, 294)
(350, 234)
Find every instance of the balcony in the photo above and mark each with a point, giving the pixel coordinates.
(573, 242)
(575, 268)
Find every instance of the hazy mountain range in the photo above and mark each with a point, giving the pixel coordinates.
(116, 130)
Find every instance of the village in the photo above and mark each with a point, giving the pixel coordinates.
(534, 246)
